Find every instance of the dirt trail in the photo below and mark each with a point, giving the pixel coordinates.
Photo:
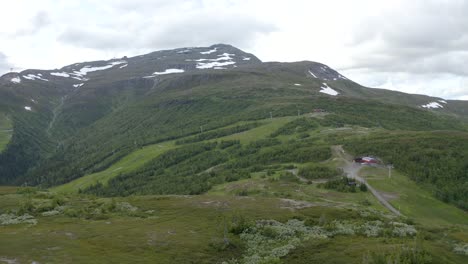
(55, 113)
(351, 169)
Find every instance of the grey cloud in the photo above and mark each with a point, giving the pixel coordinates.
(37, 23)
(422, 37)
(193, 29)
(143, 5)
(206, 29)
(4, 64)
(104, 39)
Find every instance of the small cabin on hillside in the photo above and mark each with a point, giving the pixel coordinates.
(367, 160)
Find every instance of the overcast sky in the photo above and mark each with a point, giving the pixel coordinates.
(417, 46)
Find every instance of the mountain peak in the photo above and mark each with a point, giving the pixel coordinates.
(214, 57)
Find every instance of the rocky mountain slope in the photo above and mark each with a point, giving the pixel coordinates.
(84, 117)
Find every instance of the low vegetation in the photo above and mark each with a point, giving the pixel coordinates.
(344, 184)
(436, 160)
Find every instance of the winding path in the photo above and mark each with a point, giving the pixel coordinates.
(55, 113)
(352, 171)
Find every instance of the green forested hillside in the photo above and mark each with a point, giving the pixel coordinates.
(85, 129)
(438, 160)
(6, 129)
(171, 113)
(161, 158)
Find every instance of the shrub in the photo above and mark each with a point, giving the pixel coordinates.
(404, 255)
(363, 188)
(72, 212)
(26, 206)
(461, 249)
(239, 224)
(11, 219)
(342, 184)
(402, 229)
(288, 177)
(317, 171)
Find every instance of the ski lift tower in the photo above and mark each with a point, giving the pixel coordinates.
(390, 167)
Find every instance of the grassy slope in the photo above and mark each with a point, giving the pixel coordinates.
(138, 158)
(414, 201)
(183, 228)
(179, 232)
(126, 164)
(6, 127)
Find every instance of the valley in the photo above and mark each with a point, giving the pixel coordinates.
(208, 155)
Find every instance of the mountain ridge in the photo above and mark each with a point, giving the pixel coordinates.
(87, 115)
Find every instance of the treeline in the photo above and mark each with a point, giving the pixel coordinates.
(195, 168)
(435, 159)
(296, 126)
(318, 171)
(344, 184)
(169, 117)
(177, 171)
(28, 144)
(292, 151)
(218, 133)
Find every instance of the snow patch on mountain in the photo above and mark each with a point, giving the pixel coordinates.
(209, 51)
(328, 90)
(184, 51)
(246, 58)
(209, 65)
(28, 108)
(16, 80)
(169, 71)
(33, 77)
(298, 84)
(342, 77)
(224, 59)
(313, 75)
(86, 69)
(60, 74)
(78, 85)
(79, 74)
(80, 78)
(443, 101)
(432, 105)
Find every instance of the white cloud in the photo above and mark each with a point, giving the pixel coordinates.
(4, 64)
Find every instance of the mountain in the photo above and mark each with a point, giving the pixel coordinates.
(84, 117)
(209, 155)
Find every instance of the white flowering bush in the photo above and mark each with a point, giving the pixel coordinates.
(402, 229)
(374, 213)
(11, 219)
(269, 240)
(126, 207)
(461, 249)
(372, 228)
(343, 228)
(57, 210)
(51, 213)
